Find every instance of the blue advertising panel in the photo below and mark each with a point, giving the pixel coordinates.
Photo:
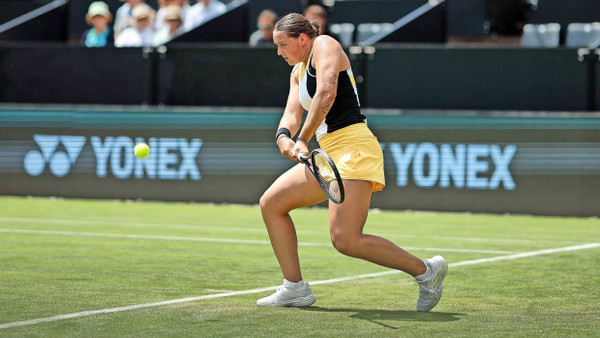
(501, 163)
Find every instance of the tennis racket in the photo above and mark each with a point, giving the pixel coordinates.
(325, 171)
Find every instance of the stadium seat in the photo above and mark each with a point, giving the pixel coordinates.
(582, 34)
(367, 30)
(541, 35)
(345, 31)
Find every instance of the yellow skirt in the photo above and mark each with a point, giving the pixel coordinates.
(356, 153)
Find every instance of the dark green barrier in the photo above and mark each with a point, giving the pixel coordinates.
(46, 73)
(482, 163)
(406, 77)
(474, 78)
(218, 76)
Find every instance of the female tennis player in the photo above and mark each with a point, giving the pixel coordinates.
(322, 83)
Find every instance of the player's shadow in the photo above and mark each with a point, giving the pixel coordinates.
(380, 316)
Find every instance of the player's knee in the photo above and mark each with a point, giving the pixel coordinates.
(344, 244)
(264, 202)
(269, 204)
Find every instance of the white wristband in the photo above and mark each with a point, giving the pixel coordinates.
(280, 137)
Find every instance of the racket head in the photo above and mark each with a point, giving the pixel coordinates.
(327, 175)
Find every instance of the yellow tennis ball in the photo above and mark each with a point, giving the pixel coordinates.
(141, 150)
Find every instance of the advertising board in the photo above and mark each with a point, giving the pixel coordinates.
(448, 162)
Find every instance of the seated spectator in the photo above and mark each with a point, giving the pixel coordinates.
(100, 35)
(172, 28)
(201, 12)
(142, 33)
(319, 13)
(160, 22)
(266, 24)
(123, 16)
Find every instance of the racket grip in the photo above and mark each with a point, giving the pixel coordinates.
(302, 157)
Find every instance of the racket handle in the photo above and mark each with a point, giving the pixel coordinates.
(302, 157)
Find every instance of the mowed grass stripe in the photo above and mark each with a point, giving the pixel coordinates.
(270, 288)
(215, 240)
(263, 230)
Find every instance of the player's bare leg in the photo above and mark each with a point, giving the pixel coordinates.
(346, 223)
(294, 189)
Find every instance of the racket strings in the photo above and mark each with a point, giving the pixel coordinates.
(327, 177)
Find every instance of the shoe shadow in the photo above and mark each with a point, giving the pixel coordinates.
(377, 316)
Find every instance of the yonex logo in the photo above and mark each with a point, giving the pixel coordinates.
(60, 161)
(470, 166)
(169, 159)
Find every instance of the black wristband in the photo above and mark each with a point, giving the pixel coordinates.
(301, 139)
(282, 131)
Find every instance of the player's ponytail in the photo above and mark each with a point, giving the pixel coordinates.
(316, 27)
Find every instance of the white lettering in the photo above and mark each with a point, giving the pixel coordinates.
(101, 150)
(167, 159)
(148, 164)
(189, 152)
(453, 165)
(459, 165)
(429, 179)
(475, 166)
(121, 159)
(402, 161)
(501, 163)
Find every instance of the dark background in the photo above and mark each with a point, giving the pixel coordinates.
(213, 65)
(404, 77)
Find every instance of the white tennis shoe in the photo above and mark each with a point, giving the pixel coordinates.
(430, 291)
(288, 296)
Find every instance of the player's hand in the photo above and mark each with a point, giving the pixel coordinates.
(285, 147)
(299, 147)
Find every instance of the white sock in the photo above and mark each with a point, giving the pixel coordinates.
(295, 286)
(426, 276)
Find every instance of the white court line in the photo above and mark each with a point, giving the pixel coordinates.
(270, 288)
(133, 224)
(262, 229)
(153, 237)
(214, 240)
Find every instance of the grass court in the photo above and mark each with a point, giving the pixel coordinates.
(124, 268)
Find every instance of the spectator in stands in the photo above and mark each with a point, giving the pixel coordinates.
(201, 12)
(173, 21)
(160, 22)
(319, 14)
(100, 35)
(123, 17)
(142, 32)
(266, 24)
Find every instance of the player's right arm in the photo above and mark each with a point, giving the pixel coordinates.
(292, 114)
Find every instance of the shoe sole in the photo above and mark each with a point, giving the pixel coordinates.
(296, 302)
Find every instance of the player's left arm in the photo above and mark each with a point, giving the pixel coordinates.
(327, 59)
